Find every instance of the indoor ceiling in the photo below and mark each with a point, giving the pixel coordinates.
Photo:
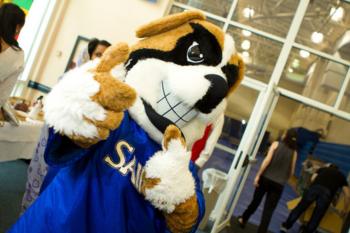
(275, 17)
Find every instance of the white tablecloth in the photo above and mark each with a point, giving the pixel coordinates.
(19, 142)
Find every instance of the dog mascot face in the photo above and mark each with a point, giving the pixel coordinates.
(119, 148)
(188, 67)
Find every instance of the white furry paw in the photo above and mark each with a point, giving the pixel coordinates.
(176, 183)
(69, 103)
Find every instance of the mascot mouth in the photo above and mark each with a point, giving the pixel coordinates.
(169, 110)
(160, 122)
(174, 109)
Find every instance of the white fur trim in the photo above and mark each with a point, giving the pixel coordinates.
(146, 77)
(229, 50)
(188, 82)
(118, 72)
(69, 102)
(211, 141)
(193, 131)
(176, 181)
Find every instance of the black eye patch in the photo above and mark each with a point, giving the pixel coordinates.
(231, 72)
(207, 43)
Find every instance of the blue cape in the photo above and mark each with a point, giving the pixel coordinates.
(95, 189)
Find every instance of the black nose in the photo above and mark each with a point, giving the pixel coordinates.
(216, 92)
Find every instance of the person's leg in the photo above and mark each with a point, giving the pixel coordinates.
(274, 193)
(322, 203)
(258, 196)
(305, 202)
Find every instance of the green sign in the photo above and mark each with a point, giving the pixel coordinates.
(25, 4)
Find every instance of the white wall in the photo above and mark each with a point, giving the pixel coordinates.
(113, 20)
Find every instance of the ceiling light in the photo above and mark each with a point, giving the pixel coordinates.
(317, 37)
(246, 57)
(337, 13)
(245, 44)
(245, 54)
(295, 63)
(248, 12)
(304, 53)
(246, 33)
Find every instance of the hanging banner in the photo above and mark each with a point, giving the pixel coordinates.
(24, 4)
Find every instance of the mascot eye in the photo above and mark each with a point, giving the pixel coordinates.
(194, 54)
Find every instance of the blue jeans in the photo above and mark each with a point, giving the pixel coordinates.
(323, 199)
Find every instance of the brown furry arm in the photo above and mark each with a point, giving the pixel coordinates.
(184, 216)
(89, 102)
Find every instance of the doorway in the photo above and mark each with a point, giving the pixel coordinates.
(331, 146)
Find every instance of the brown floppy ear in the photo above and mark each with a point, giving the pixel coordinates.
(113, 56)
(167, 23)
(234, 71)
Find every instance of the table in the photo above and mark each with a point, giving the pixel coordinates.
(19, 142)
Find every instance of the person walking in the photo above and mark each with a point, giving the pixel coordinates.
(277, 167)
(325, 184)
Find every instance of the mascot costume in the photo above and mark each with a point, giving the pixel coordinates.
(119, 149)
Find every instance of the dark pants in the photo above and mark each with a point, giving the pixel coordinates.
(274, 192)
(323, 199)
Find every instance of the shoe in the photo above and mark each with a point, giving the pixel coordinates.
(241, 222)
(283, 229)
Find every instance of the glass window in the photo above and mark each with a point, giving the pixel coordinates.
(345, 104)
(326, 26)
(292, 114)
(312, 76)
(176, 9)
(259, 53)
(239, 109)
(321, 135)
(272, 16)
(241, 103)
(217, 7)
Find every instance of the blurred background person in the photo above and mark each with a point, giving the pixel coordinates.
(94, 49)
(97, 47)
(325, 184)
(275, 170)
(12, 19)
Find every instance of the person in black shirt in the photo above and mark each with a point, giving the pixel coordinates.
(325, 184)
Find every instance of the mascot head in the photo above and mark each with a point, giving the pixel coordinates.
(182, 69)
(180, 72)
